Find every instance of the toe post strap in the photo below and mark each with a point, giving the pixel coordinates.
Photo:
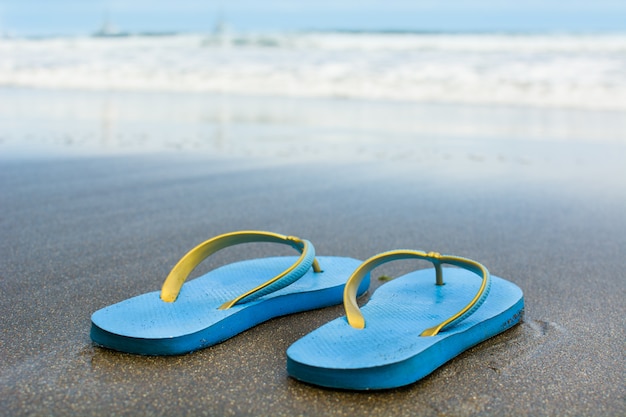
(353, 312)
(179, 274)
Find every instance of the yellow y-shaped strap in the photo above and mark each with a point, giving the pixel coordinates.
(354, 315)
(180, 272)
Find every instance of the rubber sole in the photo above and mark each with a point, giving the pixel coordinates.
(389, 352)
(146, 325)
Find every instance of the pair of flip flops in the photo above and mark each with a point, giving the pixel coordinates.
(409, 327)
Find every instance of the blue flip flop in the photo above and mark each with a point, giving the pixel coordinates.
(409, 327)
(224, 302)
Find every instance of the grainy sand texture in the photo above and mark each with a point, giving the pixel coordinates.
(95, 222)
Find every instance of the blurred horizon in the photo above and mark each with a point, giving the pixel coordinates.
(40, 18)
(78, 72)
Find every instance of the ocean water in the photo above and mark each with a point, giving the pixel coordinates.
(424, 98)
(570, 71)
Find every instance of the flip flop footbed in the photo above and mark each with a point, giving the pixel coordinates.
(389, 352)
(147, 325)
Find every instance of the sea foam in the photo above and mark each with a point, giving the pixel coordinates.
(564, 71)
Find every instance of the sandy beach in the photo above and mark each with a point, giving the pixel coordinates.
(99, 209)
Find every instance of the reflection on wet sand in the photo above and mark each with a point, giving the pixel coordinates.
(222, 124)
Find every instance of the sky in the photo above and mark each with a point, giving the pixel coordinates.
(79, 17)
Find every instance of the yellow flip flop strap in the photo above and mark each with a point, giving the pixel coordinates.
(354, 315)
(180, 272)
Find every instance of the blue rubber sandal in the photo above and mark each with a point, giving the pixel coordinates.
(224, 302)
(409, 327)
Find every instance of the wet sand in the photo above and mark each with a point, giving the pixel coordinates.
(82, 232)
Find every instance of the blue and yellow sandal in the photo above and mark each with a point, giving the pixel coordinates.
(224, 302)
(409, 327)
